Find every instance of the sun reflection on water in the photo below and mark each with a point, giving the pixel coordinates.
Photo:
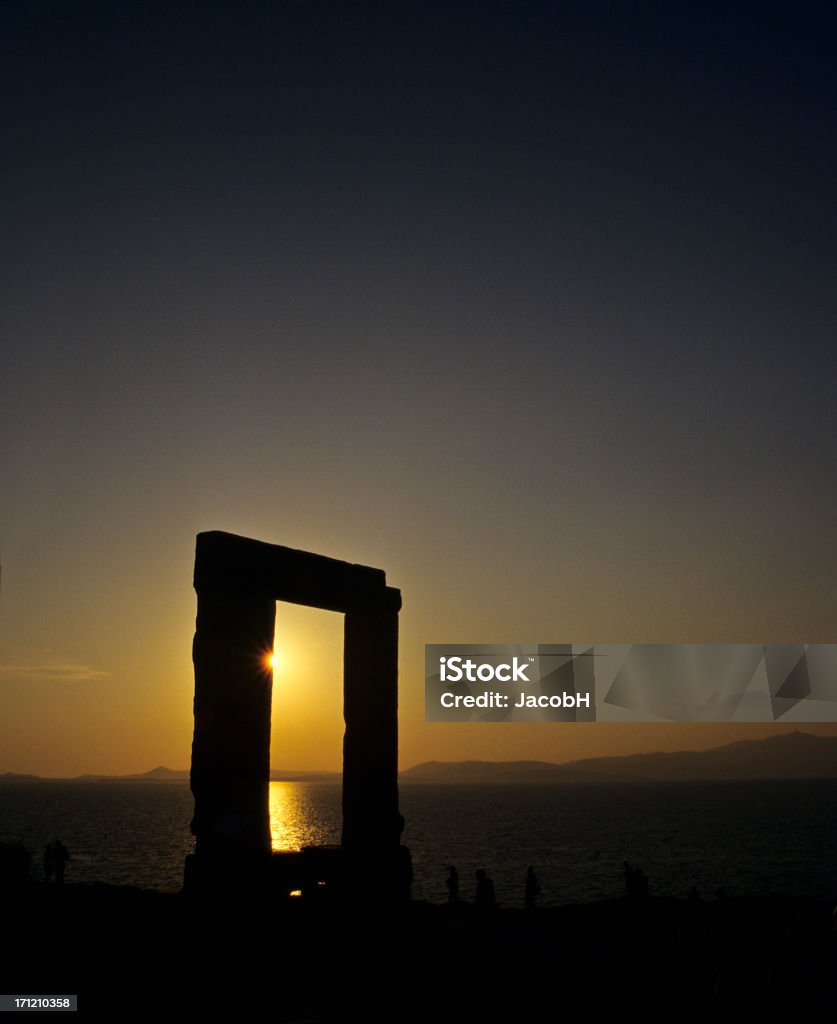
(304, 814)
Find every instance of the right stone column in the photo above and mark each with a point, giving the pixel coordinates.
(371, 820)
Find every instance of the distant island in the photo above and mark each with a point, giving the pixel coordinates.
(162, 774)
(796, 755)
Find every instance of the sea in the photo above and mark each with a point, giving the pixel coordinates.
(743, 838)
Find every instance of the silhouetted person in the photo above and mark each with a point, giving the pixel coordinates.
(61, 855)
(484, 896)
(640, 884)
(532, 888)
(453, 884)
(630, 878)
(49, 861)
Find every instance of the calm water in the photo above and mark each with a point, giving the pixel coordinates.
(750, 838)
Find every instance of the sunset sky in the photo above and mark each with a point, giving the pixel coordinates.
(530, 305)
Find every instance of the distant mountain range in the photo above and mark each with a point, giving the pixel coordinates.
(162, 774)
(796, 755)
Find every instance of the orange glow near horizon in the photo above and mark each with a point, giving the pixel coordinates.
(307, 709)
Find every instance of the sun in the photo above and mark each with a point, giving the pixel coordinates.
(273, 661)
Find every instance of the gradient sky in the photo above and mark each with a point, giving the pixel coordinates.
(530, 305)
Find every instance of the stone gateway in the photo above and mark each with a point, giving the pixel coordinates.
(238, 582)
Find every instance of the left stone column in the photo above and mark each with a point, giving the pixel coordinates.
(231, 746)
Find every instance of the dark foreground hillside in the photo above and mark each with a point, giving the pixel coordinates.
(129, 950)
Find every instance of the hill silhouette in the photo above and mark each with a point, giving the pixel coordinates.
(796, 755)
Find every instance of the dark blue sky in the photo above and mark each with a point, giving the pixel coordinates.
(532, 305)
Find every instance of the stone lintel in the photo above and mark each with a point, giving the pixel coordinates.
(227, 562)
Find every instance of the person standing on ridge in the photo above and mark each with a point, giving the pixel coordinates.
(532, 889)
(484, 897)
(49, 861)
(61, 855)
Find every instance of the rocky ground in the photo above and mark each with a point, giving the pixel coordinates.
(128, 952)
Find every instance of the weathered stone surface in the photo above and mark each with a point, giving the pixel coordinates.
(370, 743)
(231, 746)
(228, 562)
